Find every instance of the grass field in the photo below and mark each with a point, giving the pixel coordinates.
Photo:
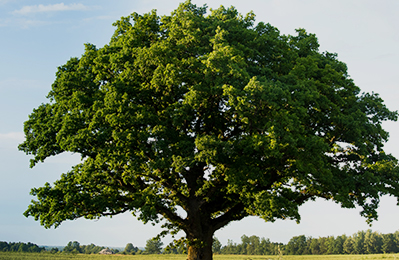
(39, 256)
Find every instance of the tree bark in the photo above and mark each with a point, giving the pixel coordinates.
(200, 248)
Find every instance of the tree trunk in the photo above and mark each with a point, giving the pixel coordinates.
(200, 248)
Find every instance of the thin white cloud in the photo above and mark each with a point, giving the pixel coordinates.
(25, 24)
(28, 9)
(102, 17)
(11, 140)
(16, 136)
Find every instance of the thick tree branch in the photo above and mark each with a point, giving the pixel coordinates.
(237, 212)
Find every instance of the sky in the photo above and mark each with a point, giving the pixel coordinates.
(38, 36)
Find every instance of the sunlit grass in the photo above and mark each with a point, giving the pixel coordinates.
(45, 256)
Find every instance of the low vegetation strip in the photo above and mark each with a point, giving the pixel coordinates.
(45, 256)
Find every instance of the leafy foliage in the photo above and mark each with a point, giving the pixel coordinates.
(211, 114)
(367, 242)
(130, 249)
(20, 247)
(252, 245)
(74, 247)
(362, 242)
(153, 246)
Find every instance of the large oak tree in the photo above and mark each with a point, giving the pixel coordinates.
(213, 115)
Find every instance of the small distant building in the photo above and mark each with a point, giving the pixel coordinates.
(106, 251)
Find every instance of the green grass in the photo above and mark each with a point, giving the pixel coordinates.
(45, 256)
(306, 257)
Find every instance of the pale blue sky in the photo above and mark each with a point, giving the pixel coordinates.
(37, 36)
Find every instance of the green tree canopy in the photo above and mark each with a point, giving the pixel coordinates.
(296, 245)
(213, 114)
(130, 249)
(216, 246)
(388, 244)
(153, 246)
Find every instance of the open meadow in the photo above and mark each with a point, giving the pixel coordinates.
(40, 256)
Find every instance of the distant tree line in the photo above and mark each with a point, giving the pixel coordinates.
(153, 246)
(252, 245)
(20, 247)
(362, 242)
(74, 247)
